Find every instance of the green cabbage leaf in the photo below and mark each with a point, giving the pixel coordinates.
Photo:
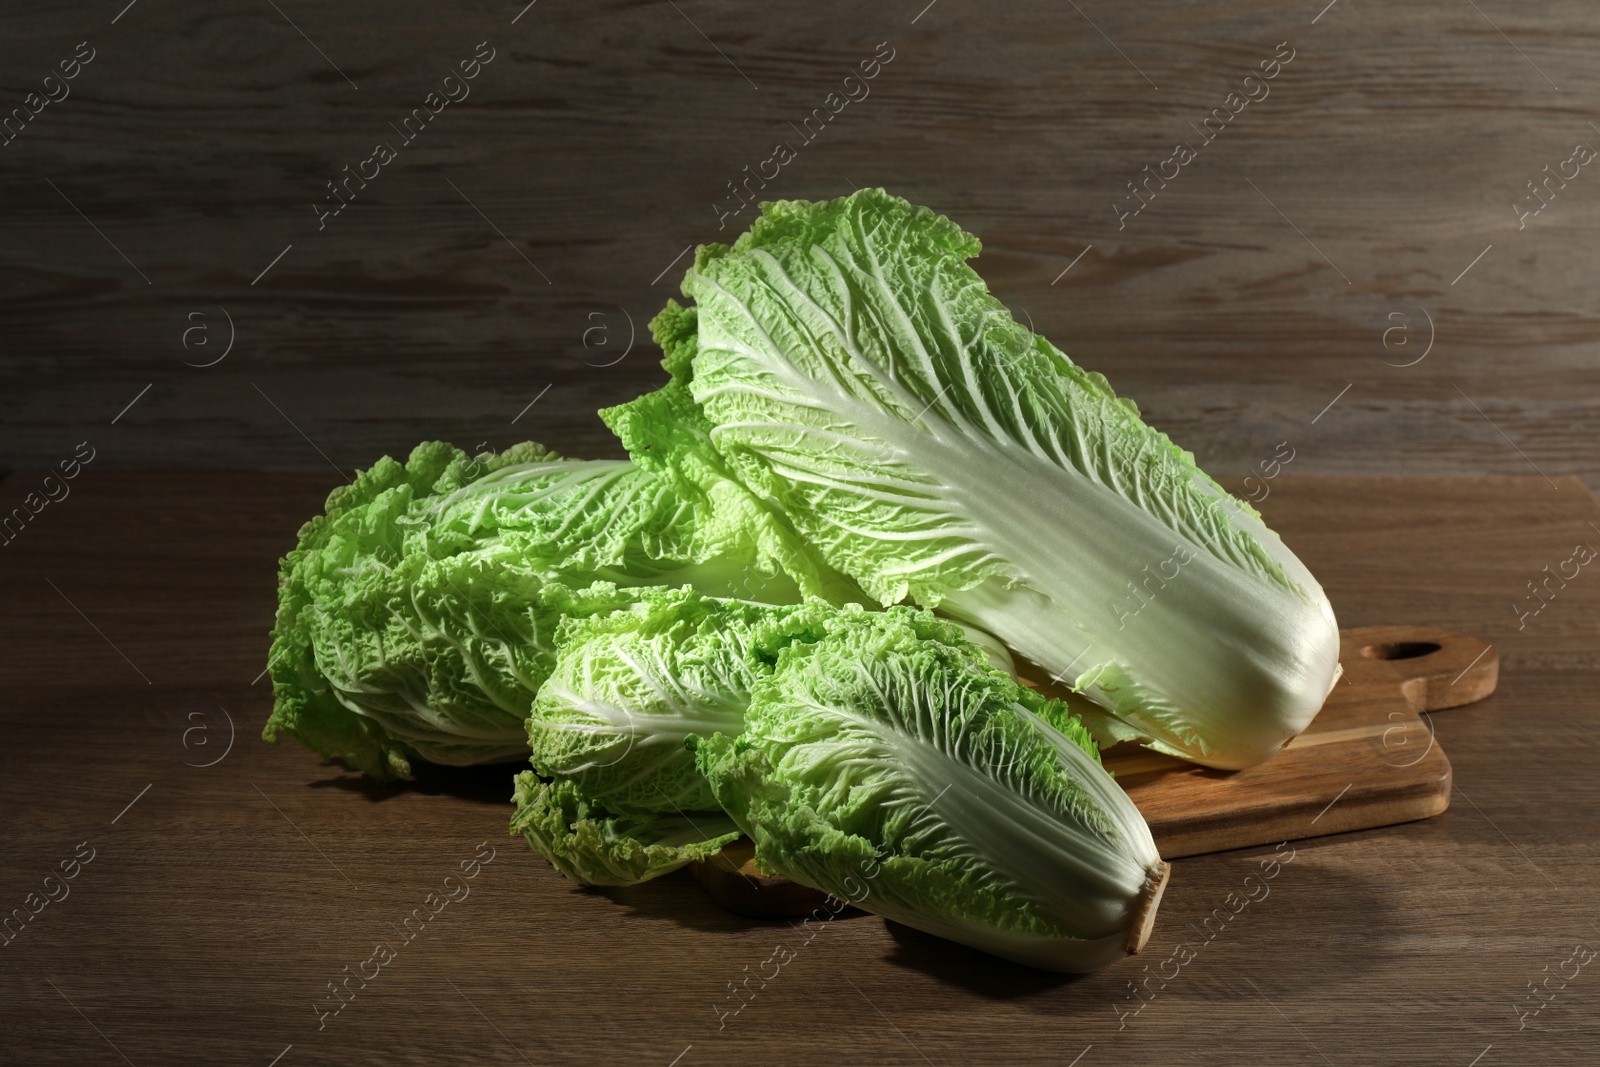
(594, 847)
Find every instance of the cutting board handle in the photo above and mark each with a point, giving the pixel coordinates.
(1434, 668)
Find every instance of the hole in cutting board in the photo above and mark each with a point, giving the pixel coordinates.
(1400, 649)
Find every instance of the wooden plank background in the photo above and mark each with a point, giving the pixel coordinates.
(502, 256)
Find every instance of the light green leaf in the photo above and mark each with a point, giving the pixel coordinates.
(668, 435)
(589, 845)
(631, 685)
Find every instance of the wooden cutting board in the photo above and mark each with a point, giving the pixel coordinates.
(1368, 759)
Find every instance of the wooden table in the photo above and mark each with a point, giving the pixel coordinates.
(221, 900)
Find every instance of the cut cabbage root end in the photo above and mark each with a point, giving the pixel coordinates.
(1144, 917)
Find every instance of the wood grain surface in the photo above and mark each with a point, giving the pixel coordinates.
(1311, 250)
(221, 900)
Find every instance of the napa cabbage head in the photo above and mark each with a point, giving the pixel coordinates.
(853, 371)
(889, 765)
(418, 617)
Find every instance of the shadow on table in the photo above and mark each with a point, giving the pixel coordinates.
(486, 784)
(677, 898)
(977, 972)
(1347, 922)
(1339, 917)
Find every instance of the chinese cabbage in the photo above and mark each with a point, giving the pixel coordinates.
(856, 374)
(888, 764)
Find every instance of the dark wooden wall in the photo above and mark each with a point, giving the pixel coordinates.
(532, 220)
